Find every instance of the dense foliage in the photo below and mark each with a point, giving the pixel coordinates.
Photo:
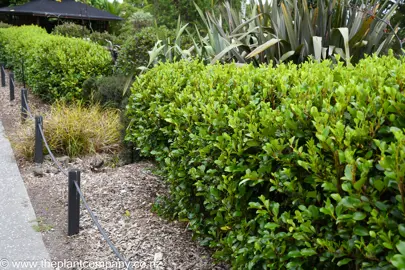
(70, 29)
(55, 66)
(107, 91)
(298, 167)
(104, 38)
(166, 12)
(135, 22)
(134, 51)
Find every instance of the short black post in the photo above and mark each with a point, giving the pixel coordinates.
(11, 77)
(24, 107)
(73, 203)
(23, 72)
(3, 76)
(38, 154)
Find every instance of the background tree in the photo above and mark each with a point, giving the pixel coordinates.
(5, 3)
(167, 12)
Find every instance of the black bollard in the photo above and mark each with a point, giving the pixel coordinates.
(38, 154)
(24, 107)
(73, 203)
(3, 76)
(11, 78)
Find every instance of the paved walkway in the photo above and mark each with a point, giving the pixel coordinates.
(21, 247)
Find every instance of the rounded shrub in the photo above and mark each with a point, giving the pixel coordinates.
(298, 167)
(134, 51)
(106, 91)
(137, 21)
(70, 29)
(103, 38)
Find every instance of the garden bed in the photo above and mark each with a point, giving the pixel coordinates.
(121, 197)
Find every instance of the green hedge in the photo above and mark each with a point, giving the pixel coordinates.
(298, 167)
(55, 66)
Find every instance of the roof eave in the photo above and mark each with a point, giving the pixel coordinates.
(66, 16)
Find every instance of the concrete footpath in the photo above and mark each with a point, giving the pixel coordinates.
(21, 247)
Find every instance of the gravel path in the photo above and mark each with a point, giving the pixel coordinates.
(121, 197)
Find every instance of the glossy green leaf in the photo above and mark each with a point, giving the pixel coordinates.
(360, 230)
(294, 254)
(379, 185)
(401, 247)
(271, 226)
(398, 261)
(401, 229)
(308, 252)
(359, 216)
(344, 261)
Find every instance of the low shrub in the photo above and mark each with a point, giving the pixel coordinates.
(134, 51)
(5, 25)
(75, 130)
(103, 38)
(88, 88)
(298, 167)
(70, 29)
(55, 66)
(106, 91)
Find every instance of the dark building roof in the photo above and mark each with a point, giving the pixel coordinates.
(63, 9)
